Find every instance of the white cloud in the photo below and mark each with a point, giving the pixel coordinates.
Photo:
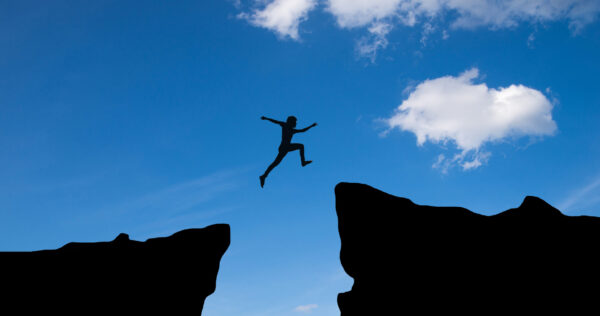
(305, 308)
(281, 16)
(469, 13)
(356, 13)
(369, 45)
(284, 16)
(468, 114)
(428, 28)
(508, 13)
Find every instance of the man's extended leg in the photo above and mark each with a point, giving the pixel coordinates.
(274, 164)
(301, 148)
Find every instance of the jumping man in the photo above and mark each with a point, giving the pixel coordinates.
(287, 131)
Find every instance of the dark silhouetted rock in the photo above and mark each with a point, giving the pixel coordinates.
(410, 259)
(168, 275)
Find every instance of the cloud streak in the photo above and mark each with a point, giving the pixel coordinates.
(170, 207)
(305, 308)
(590, 191)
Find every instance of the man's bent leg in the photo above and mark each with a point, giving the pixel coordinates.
(301, 148)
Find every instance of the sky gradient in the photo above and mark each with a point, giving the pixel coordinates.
(145, 119)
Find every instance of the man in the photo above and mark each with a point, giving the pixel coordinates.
(287, 131)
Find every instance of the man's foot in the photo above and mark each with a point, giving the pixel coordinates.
(304, 163)
(262, 181)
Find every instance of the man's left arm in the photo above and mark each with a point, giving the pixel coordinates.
(305, 129)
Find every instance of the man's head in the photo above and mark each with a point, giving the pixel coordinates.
(291, 121)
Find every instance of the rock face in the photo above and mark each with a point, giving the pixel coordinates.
(412, 259)
(168, 275)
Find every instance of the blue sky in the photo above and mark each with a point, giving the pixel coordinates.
(145, 119)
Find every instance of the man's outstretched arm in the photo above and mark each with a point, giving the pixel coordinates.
(305, 129)
(271, 120)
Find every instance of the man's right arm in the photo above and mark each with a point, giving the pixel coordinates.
(271, 120)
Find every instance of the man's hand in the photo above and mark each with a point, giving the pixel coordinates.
(263, 118)
(313, 125)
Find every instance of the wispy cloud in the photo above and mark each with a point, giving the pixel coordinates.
(582, 197)
(369, 45)
(306, 308)
(177, 205)
(284, 16)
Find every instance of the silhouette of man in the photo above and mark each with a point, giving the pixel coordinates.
(287, 131)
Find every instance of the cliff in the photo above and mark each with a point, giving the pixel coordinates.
(168, 275)
(407, 258)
